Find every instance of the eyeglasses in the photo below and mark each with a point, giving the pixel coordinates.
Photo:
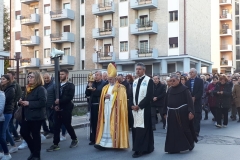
(182, 79)
(30, 77)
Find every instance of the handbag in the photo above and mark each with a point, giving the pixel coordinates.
(18, 114)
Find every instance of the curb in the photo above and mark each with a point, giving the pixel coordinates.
(81, 125)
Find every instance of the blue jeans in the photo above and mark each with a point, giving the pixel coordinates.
(3, 143)
(6, 133)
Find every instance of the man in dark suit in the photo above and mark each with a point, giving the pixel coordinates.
(195, 86)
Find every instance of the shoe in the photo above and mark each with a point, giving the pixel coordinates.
(45, 133)
(23, 145)
(224, 126)
(213, 119)
(91, 143)
(53, 148)
(7, 157)
(205, 118)
(218, 125)
(8, 144)
(43, 137)
(234, 119)
(154, 128)
(137, 154)
(63, 138)
(1, 155)
(99, 147)
(74, 144)
(13, 150)
(50, 135)
(17, 139)
(30, 157)
(164, 126)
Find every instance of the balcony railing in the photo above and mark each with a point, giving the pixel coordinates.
(226, 62)
(148, 27)
(149, 53)
(227, 16)
(103, 8)
(30, 41)
(225, 32)
(62, 37)
(30, 62)
(102, 33)
(226, 47)
(225, 2)
(103, 57)
(30, 20)
(143, 4)
(29, 1)
(61, 15)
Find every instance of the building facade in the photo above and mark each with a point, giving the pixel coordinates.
(40, 25)
(167, 36)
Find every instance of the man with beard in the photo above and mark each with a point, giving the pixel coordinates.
(129, 96)
(179, 112)
(112, 128)
(94, 99)
(142, 133)
(63, 111)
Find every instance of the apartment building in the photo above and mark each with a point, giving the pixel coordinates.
(167, 35)
(40, 25)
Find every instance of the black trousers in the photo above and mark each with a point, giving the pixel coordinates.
(130, 117)
(93, 122)
(214, 112)
(196, 121)
(238, 109)
(224, 112)
(50, 117)
(30, 131)
(63, 118)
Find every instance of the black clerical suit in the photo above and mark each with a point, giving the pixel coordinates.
(143, 140)
(196, 92)
(94, 106)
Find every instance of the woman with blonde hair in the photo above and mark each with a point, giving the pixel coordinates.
(33, 104)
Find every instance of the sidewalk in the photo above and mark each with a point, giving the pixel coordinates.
(80, 121)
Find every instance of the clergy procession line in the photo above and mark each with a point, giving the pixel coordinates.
(117, 105)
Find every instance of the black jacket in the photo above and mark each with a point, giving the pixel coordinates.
(197, 93)
(10, 99)
(223, 100)
(66, 95)
(37, 104)
(51, 95)
(95, 95)
(128, 90)
(159, 91)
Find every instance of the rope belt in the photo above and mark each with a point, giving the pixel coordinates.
(168, 108)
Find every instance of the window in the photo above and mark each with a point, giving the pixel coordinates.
(107, 25)
(47, 31)
(47, 53)
(82, 46)
(123, 21)
(83, 65)
(107, 49)
(236, 8)
(36, 32)
(66, 6)
(82, 1)
(82, 20)
(173, 42)
(67, 51)
(123, 46)
(66, 28)
(173, 15)
(238, 52)
(46, 8)
(238, 38)
(36, 54)
(17, 35)
(237, 23)
(18, 15)
(143, 46)
(36, 10)
(143, 20)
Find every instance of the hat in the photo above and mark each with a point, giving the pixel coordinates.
(111, 70)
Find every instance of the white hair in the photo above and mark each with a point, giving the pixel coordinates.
(194, 70)
(167, 79)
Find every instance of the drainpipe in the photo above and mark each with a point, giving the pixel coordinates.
(184, 26)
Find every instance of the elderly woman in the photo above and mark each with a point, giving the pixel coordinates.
(223, 93)
(34, 104)
(205, 97)
(179, 112)
(212, 98)
(3, 143)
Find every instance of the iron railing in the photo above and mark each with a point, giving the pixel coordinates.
(106, 4)
(146, 52)
(145, 24)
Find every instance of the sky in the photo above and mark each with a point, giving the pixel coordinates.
(6, 2)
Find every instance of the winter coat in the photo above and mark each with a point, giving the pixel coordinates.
(10, 98)
(2, 105)
(223, 100)
(18, 93)
(160, 93)
(236, 95)
(211, 97)
(51, 95)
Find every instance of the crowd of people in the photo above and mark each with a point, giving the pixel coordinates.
(118, 104)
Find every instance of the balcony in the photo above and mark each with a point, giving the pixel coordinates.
(103, 8)
(103, 33)
(226, 48)
(29, 1)
(149, 27)
(143, 4)
(225, 32)
(226, 17)
(104, 57)
(225, 63)
(67, 60)
(30, 62)
(225, 2)
(61, 15)
(62, 37)
(30, 41)
(145, 54)
(30, 20)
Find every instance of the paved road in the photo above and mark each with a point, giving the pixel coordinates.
(214, 143)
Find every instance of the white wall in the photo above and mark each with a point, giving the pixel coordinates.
(173, 51)
(46, 42)
(17, 5)
(46, 20)
(17, 47)
(46, 1)
(143, 12)
(123, 9)
(173, 5)
(173, 29)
